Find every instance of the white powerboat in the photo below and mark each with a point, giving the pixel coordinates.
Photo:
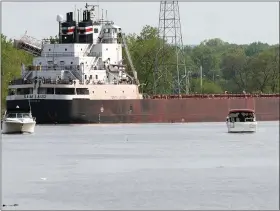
(17, 121)
(241, 121)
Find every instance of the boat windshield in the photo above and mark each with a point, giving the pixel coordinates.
(241, 116)
(18, 115)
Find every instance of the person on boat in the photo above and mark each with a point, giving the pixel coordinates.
(241, 117)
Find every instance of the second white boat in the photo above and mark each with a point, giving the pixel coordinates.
(241, 121)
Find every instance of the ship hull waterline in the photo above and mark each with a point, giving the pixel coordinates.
(83, 111)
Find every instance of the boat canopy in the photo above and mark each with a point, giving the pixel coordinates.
(241, 110)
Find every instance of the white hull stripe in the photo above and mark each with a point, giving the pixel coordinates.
(85, 28)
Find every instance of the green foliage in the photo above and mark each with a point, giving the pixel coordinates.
(11, 60)
(226, 67)
(208, 87)
(54, 40)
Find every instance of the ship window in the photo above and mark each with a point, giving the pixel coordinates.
(122, 91)
(49, 49)
(130, 108)
(41, 90)
(24, 91)
(90, 77)
(82, 91)
(50, 91)
(71, 62)
(105, 92)
(81, 49)
(40, 63)
(96, 76)
(85, 76)
(61, 62)
(106, 49)
(65, 49)
(65, 91)
(11, 91)
(96, 30)
(11, 115)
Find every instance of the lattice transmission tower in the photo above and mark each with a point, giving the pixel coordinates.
(170, 74)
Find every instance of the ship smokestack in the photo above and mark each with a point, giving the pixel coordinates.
(71, 17)
(67, 17)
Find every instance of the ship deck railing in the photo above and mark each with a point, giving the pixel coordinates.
(211, 96)
(58, 81)
(52, 67)
(43, 81)
(70, 54)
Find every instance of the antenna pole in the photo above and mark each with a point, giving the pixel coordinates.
(29, 106)
(170, 34)
(75, 13)
(98, 16)
(60, 33)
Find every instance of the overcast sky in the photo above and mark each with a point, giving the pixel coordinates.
(235, 22)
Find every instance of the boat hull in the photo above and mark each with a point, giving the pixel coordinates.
(146, 110)
(12, 127)
(242, 127)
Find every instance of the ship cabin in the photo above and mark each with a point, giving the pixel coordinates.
(241, 115)
(88, 52)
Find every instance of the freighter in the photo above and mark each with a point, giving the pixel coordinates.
(82, 78)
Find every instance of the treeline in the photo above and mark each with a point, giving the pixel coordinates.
(226, 67)
(253, 68)
(11, 60)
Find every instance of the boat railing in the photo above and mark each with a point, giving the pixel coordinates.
(17, 115)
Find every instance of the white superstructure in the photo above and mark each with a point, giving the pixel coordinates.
(86, 62)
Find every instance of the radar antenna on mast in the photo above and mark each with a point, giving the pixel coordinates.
(92, 10)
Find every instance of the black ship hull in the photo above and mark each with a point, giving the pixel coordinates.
(78, 111)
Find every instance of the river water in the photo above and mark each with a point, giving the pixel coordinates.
(142, 166)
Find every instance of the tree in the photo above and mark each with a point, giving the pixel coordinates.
(265, 67)
(255, 48)
(11, 60)
(234, 67)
